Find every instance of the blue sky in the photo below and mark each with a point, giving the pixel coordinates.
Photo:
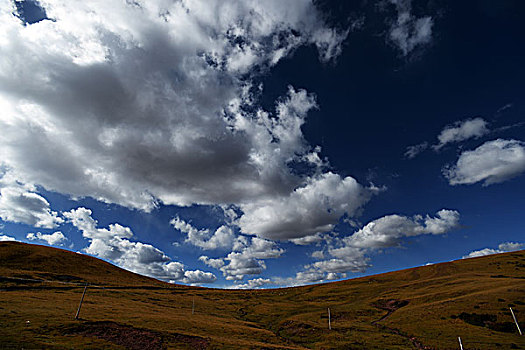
(245, 144)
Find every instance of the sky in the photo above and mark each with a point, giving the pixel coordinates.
(263, 144)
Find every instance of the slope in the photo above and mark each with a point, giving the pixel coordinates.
(30, 261)
(421, 308)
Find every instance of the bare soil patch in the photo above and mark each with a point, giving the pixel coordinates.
(135, 338)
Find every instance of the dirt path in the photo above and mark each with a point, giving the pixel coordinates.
(390, 306)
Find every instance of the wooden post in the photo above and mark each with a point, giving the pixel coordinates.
(329, 320)
(460, 345)
(515, 321)
(193, 306)
(81, 300)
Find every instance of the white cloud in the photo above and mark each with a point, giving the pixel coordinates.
(108, 93)
(408, 32)
(462, 130)
(215, 263)
(341, 265)
(310, 209)
(318, 254)
(341, 261)
(240, 265)
(349, 254)
(252, 284)
(459, 131)
(113, 244)
(307, 240)
(263, 249)
(388, 230)
(248, 261)
(20, 203)
(116, 92)
(493, 162)
(344, 259)
(198, 277)
(55, 238)
(502, 248)
(511, 246)
(413, 151)
(315, 274)
(223, 237)
(5, 238)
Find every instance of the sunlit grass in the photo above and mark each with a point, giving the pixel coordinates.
(290, 318)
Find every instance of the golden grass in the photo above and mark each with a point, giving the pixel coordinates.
(426, 307)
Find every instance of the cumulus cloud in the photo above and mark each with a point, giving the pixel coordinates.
(333, 266)
(247, 259)
(198, 277)
(310, 209)
(215, 263)
(462, 130)
(340, 262)
(307, 240)
(223, 237)
(502, 248)
(106, 96)
(20, 203)
(350, 253)
(114, 244)
(316, 273)
(388, 230)
(5, 238)
(240, 265)
(150, 86)
(55, 238)
(318, 254)
(256, 283)
(408, 32)
(493, 162)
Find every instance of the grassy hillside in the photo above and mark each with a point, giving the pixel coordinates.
(421, 308)
(30, 261)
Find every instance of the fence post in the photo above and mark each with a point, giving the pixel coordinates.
(329, 320)
(460, 345)
(81, 300)
(515, 321)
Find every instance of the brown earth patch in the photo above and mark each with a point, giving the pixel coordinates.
(299, 332)
(135, 338)
(392, 305)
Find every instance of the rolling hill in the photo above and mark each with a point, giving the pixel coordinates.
(420, 308)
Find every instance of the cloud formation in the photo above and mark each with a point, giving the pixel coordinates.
(502, 248)
(247, 258)
(114, 244)
(55, 238)
(493, 162)
(5, 238)
(223, 237)
(454, 133)
(350, 254)
(252, 284)
(413, 151)
(198, 277)
(310, 209)
(153, 103)
(462, 130)
(20, 203)
(388, 230)
(408, 32)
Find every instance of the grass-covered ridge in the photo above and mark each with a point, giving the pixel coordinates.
(425, 307)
